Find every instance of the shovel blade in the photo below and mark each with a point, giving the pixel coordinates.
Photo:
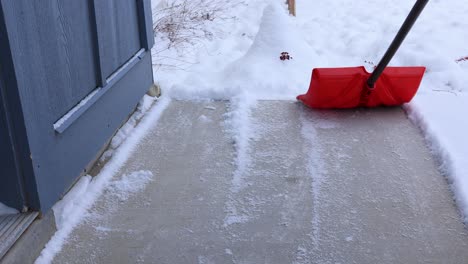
(347, 87)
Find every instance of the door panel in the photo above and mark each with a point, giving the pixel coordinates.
(118, 32)
(63, 37)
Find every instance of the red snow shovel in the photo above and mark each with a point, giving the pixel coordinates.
(355, 87)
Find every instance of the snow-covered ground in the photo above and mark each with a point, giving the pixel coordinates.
(241, 62)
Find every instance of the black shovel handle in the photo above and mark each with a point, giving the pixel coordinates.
(404, 30)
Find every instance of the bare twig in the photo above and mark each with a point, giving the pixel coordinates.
(184, 23)
(291, 7)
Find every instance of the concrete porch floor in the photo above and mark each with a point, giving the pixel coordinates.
(355, 186)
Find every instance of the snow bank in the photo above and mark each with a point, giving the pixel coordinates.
(5, 210)
(71, 210)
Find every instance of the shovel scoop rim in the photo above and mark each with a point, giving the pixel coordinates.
(346, 87)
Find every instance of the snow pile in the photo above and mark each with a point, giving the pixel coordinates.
(73, 208)
(259, 71)
(5, 210)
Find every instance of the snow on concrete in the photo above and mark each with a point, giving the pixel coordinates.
(317, 171)
(240, 126)
(445, 127)
(130, 184)
(5, 210)
(243, 57)
(144, 105)
(73, 208)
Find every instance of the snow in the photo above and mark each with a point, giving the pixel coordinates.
(130, 184)
(5, 210)
(69, 114)
(442, 118)
(258, 70)
(316, 167)
(122, 134)
(241, 60)
(239, 125)
(73, 208)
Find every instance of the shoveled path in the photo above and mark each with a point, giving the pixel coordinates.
(355, 186)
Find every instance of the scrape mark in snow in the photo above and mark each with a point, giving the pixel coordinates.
(302, 256)
(233, 216)
(316, 169)
(240, 127)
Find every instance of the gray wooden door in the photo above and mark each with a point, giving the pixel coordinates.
(81, 67)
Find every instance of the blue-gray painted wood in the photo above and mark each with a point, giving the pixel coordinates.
(118, 32)
(17, 186)
(10, 192)
(98, 49)
(61, 51)
(146, 23)
(113, 79)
